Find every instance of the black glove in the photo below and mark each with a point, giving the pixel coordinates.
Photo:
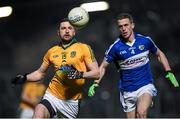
(74, 74)
(19, 79)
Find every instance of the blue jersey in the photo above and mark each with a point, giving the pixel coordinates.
(133, 61)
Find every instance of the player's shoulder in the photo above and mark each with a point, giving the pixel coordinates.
(83, 45)
(54, 48)
(140, 36)
(144, 39)
(114, 46)
(116, 43)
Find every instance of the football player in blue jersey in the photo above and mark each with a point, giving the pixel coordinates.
(130, 53)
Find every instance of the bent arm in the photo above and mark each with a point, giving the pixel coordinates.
(93, 71)
(38, 74)
(163, 60)
(102, 70)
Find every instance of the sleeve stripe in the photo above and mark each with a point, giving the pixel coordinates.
(151, 41)
(112, 46)
(91, 53)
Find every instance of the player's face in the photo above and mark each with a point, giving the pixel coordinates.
(125, 27)
(66, 31)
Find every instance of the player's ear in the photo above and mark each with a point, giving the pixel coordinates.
(133, 25)
(75, 30)
(75, 33)
(58, 33)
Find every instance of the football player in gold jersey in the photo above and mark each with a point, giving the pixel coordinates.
(31, 95)
(73, 62)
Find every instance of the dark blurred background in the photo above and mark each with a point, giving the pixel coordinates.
(30, 31)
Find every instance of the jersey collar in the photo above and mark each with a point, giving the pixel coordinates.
(72, 42)
(128, 43)
(131, 44)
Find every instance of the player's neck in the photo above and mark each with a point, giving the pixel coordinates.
(131, 38)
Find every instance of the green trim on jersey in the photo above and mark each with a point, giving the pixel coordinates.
(92, 54)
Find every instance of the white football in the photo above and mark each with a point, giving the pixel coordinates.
(78, 17)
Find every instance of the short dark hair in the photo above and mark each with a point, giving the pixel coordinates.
(62, 20)
(125, 15)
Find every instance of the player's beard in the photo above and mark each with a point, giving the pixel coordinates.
(65, 41)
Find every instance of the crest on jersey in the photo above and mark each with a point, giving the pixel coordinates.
(73, 54)
(141, 47)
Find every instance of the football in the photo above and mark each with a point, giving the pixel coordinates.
(78, 17)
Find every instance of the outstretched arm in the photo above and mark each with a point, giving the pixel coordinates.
(93, 71)
(169, 75)
(38, 74)
(162, 58)
(34, 76)
(102, 71)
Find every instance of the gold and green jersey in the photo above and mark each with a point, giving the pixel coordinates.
(34, 91)
(78, 55)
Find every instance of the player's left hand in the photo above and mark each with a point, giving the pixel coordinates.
(172, 78)
(62, 72)
(74, 74)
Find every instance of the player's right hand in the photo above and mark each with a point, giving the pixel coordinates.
(19, 79)
(92, 89)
